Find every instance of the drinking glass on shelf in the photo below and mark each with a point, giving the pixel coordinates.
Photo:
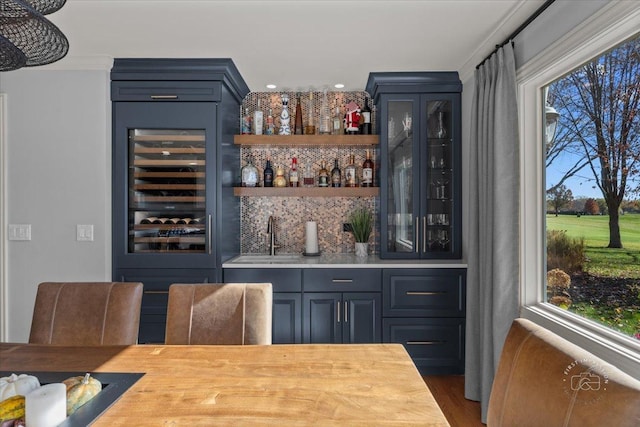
(441, 189)
(443, 239)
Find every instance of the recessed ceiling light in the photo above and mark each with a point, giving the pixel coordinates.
(338, 85)
(271, 86)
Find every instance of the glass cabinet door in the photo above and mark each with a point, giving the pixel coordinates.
(401, 192)
(167, 211)
(439, 176)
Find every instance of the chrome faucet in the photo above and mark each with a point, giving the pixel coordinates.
(271, 231)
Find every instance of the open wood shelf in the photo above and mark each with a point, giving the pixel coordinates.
(307, 191)
(307, 140)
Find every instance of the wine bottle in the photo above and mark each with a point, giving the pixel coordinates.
(323, 175)
(336, 175)
(268, 175)
(293, 174)
(258, 120)
(365, 116)
(367, 171)
(351, 173)
(298, 129)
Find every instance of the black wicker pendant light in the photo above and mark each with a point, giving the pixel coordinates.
(27, 38)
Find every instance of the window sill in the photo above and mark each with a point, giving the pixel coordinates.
(621, 351)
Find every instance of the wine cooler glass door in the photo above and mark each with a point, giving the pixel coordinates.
(167, 203)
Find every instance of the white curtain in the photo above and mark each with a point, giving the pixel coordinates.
(493, 246)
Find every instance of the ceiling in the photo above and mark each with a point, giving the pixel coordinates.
(295, 44)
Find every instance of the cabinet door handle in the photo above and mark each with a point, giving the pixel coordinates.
(417, 239)
(346, 311)
(342, 280)
(209, 234)
(338, 310)
(424, 233)
(164, 96)
(156, 292)
(425, 293)
(425, 342)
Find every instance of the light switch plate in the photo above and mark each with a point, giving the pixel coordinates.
(19, 231)
(84, 232)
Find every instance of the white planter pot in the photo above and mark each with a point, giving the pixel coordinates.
(362, 249)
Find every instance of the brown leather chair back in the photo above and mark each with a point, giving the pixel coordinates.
(210, 313)
(86, 313)
(544, 380)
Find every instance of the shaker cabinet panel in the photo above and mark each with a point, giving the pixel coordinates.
(287, 318)
(322, 322)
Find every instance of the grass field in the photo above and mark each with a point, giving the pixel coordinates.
(602, 261)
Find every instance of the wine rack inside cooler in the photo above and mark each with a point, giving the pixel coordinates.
(167, 209)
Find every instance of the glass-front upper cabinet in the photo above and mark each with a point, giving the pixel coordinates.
(420, 194)
(167, 191)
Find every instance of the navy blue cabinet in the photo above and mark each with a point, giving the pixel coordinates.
(174, 167)
(420, 163)
(424, 309)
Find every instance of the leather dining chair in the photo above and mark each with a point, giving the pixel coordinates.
(86, 313)
(219, 313)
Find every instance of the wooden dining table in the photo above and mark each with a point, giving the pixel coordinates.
(281, 385)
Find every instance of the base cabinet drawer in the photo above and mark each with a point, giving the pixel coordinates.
(435, 345)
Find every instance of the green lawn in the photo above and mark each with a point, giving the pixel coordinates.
(601, 260)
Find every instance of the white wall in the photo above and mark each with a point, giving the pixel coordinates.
(58, 175)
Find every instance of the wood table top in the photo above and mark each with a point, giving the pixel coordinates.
(302, 384)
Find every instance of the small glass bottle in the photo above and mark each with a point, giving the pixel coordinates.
(367, 171)
(308, 178)
(351, 173)
(279, 180)
(249, 174)
(258, 120)
(336, 175)
(270, 127)
(245, 123)
(293, 174)
(323, 175)
(267, 180)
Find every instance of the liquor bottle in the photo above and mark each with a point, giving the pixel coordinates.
(325, 115)
(258, 120)
(365, 117)
(270, 128)
(367, 171)
(298, 129)
(338, 120)
(268, 175)
(285, 119)
(336, 175)
(351, 173)
(308, 178)
(245, 122)
(310, 127)
(323, 175)
(279, 180)
(249, 174)
(293, 174)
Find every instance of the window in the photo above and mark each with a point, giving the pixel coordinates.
(539, 78)
(592, 164)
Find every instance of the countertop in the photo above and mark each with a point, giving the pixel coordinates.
(343, 261)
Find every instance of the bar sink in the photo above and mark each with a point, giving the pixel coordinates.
(267, 259)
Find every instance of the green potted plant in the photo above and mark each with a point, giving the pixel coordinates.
(361, 221)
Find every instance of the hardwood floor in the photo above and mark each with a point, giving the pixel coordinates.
(448, 391)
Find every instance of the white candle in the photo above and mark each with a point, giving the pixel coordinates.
(311, 243)
(46, 406)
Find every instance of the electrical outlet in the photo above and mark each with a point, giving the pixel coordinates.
(19, 231)
(84, 232)
(346, 226)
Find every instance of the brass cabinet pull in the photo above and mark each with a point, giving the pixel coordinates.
(164, 96)
(156, 292)
(338, 310)
(342, 280)
(425, 342)
(425, 293)
(346, 312)
(417, 239)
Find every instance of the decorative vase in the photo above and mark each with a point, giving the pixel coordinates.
(362, 249)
